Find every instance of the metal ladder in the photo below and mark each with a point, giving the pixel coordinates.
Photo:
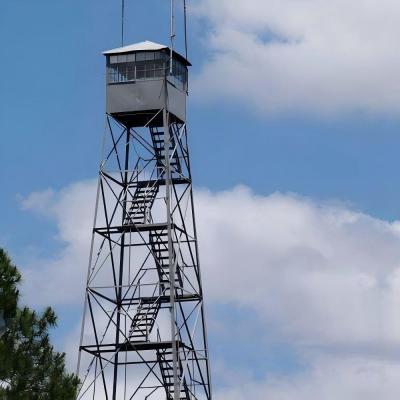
(157, 137)
(159, 247)
(143, 321)
(165, 361)
(141, 203)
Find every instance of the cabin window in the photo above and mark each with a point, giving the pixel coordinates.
(145, 65)
(179, 74)
(141, 56)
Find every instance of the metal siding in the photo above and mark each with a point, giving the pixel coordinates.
(144, 95)
(177, 102)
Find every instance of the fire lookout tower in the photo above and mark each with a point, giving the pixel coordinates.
(143, 330)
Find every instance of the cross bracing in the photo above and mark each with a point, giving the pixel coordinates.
(144, 333)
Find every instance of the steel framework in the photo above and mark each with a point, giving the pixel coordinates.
(143, 329)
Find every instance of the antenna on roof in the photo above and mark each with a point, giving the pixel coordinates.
(122, 22)
(185, 28)
(172, 34)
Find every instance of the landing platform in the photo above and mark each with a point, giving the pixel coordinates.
(131, 346)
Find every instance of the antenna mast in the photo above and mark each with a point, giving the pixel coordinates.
(185, 28)
(122, 22)
(172, 33)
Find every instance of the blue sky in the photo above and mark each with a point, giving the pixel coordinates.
(320, 153)
(351, 157)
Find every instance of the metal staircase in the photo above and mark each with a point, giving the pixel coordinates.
(141, 203)
(159, 246)
(139, 213)
(146, 192)
(165, 361)
(143, 321)
(157, 137)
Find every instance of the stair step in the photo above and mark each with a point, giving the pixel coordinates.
(143, 316)
(143, 321)
(144, 193)
(173, 163)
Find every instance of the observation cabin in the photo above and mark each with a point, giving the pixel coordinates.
(141, 82)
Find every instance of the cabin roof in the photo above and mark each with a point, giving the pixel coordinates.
(144, 46)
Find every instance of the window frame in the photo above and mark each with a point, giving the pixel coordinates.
(146, 65)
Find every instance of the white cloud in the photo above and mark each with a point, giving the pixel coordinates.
(321, 276)
(330, 378)
(72, 209)
(302, 56)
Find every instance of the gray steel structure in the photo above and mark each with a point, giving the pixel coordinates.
(143, 327)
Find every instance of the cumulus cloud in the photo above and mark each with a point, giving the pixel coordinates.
(321, 273)
(72, 209)
(330, 378)
(320, 276)
(303, 56)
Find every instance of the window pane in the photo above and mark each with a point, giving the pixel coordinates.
(140, 56)
(121, 58)
(149, 72)
(159, 68)
(150, 64)
(140, 65)
(163, 55)
(150, 55)
(123, 72)
(131, 72)
(140, 73)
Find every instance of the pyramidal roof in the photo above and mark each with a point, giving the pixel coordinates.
(143, 46)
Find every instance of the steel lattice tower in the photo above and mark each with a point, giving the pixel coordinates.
(143, 331)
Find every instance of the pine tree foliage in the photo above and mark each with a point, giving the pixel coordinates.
(9, 279)
(30, 368)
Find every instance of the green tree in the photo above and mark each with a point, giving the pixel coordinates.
(9, 279)
(30, 368)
